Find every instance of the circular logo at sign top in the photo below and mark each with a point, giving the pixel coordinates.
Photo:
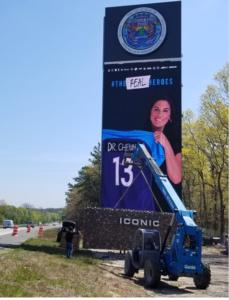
(142, 31)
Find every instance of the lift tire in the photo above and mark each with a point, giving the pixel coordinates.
(152, 273)
(202, 281)
(173, 277)
(129, 269)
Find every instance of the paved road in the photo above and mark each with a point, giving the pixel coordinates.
(7, 239)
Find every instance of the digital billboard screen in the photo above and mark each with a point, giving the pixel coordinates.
(141, 104)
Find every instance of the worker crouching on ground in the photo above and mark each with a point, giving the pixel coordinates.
(69, 246)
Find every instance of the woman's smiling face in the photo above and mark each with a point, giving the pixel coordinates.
(160, 114)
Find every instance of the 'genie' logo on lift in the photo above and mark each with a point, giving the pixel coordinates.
(142, 31)
(189, 267)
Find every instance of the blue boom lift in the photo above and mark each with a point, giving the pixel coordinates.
(183, 256)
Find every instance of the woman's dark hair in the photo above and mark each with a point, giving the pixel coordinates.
(165, 98)
(169, 130)
(169, 127)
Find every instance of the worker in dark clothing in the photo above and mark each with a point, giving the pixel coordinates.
(69, 246)
(226, 243)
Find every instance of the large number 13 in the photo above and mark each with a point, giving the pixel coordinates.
(127, 170)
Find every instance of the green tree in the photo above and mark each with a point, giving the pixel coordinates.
(3, 210)
(195, 168)
(28, 206)
(88, 182)
(86, 190)
(25, 216)
(12, 213)
(75, 208)
(205, 151)
(54, 217)
(214, 119)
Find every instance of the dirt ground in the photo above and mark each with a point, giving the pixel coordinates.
(113, 263)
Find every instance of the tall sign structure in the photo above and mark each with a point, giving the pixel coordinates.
(141, 101)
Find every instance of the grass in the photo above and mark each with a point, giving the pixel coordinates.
(35, 271)
(31, 271)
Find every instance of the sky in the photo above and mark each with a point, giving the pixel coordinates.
(51, 86)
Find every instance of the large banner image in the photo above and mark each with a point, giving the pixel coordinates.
(141, 104)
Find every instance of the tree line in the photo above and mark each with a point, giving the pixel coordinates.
(205, 156)
(25, 213)
(204, 164)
